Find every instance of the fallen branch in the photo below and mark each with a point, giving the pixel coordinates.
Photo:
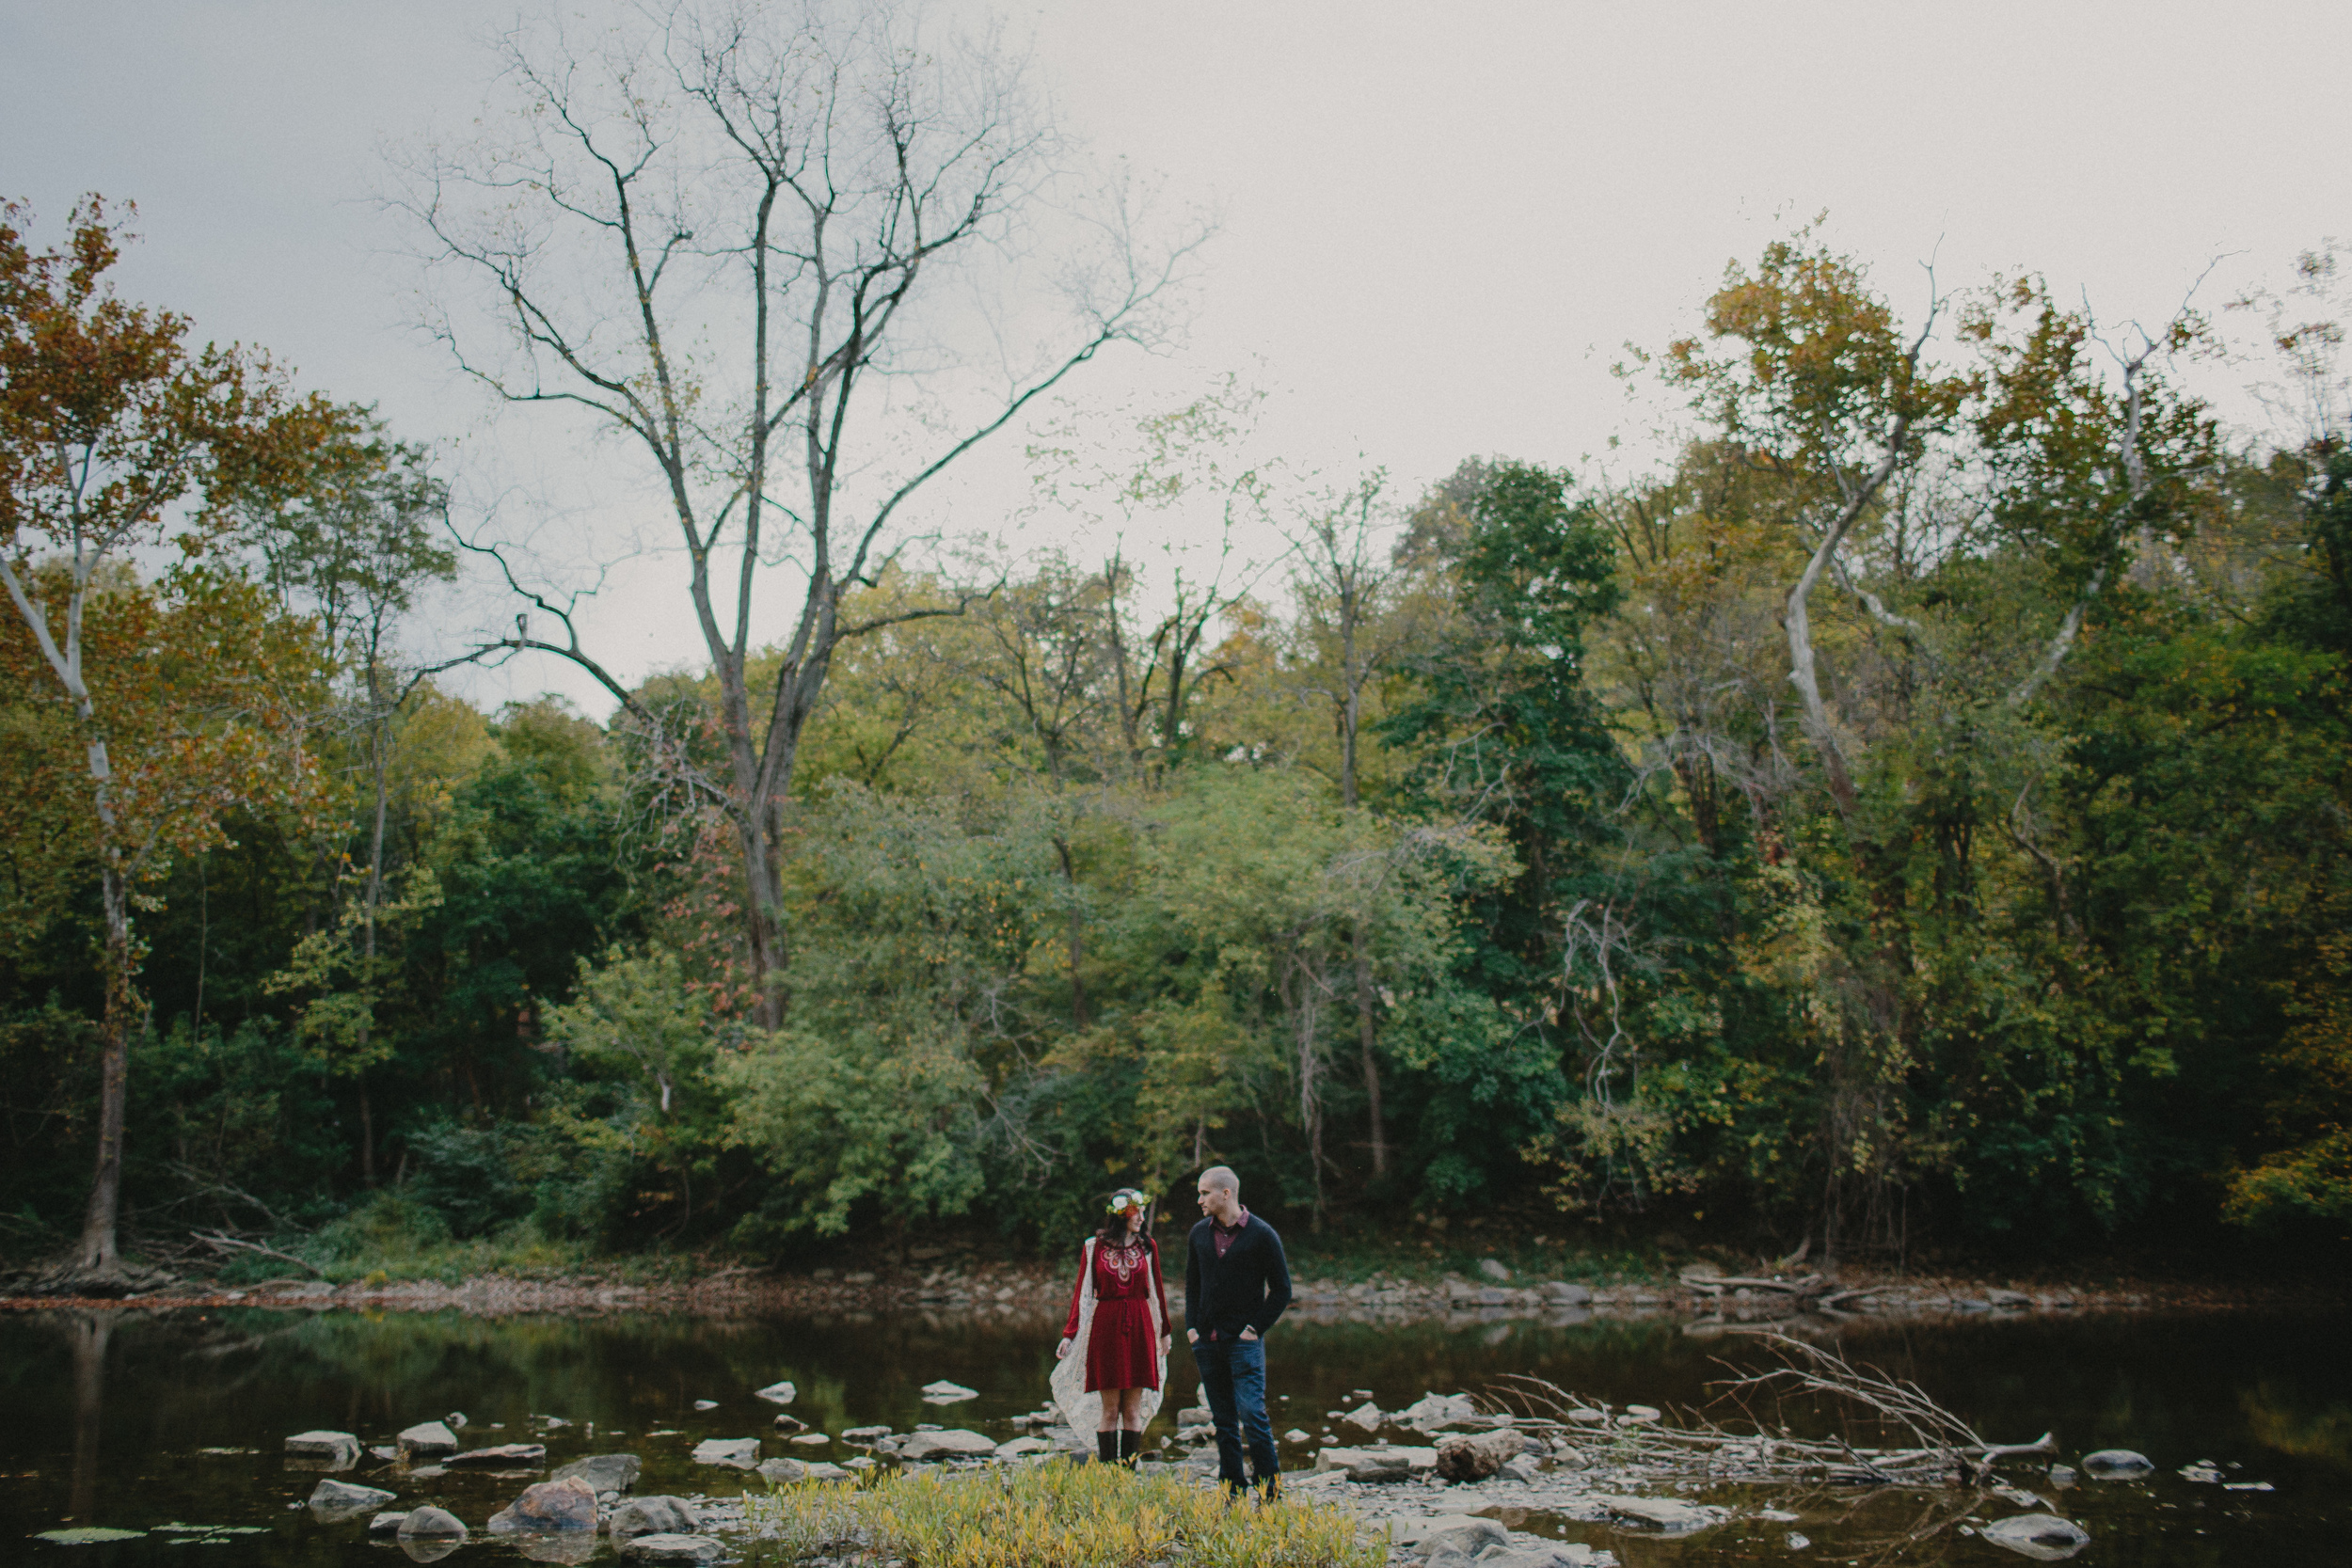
(231, 1243)
(1940, 1448)
(1716, 1284)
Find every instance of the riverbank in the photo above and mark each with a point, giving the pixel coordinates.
(951, 1288)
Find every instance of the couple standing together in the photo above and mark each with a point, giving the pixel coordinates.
(1113, 1348)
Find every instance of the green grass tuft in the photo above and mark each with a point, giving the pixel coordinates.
(1055, 1515)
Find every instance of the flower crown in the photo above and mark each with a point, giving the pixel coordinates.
(1127, 1200)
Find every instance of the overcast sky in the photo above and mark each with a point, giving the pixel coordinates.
(1439, 222)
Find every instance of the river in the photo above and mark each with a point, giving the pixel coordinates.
(133, 1420)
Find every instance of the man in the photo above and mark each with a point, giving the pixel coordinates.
(1236, 1284)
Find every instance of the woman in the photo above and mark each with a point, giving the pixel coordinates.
(1119, 1324)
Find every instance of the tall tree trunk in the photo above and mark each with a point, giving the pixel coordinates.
(97, 1253)
(1078, 936)
(1367, 1030)
(367, 1133)
(763, 937)
(379, 744)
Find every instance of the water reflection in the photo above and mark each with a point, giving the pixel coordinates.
(134, 1419)
(86, 1336)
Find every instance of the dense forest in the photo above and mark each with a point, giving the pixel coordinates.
(1914, 818)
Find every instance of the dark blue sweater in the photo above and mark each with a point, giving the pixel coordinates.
(1247, 1288)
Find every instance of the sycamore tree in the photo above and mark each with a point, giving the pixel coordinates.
(182, 692)
(798, 259)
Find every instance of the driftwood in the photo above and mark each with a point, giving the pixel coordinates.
(231, 1243)
(1716, 1284)
(1936, 1448)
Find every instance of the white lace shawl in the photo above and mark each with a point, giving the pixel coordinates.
(1084, 1410)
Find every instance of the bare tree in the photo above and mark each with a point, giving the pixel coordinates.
(1344, 585)
(719, 232)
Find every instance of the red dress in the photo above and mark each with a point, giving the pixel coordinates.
(1124, 1351)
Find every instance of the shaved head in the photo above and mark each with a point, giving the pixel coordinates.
(1219, 1192)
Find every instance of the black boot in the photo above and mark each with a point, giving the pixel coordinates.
(1130, 1447)
(1106, 1447)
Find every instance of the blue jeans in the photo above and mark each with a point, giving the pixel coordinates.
(1232, 1378)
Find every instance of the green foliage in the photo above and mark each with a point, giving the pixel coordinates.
(1506, 823)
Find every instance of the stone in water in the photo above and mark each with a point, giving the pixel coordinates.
(1672, 1517)
(2044, 1537)
(945, 1392)
(706, 1405)
(2117, 1464)
(672, 1549)
(429, 1439)
(1463, 1533)
(431, 1524)
(338, 1449)
(738, 1453)
(940, 1445)
(603, 1472)
(551, 1507)
(655, 1515)
(779, 1393)
(332, 1500)
(504, 1456)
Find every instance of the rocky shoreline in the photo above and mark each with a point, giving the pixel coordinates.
(1441, 1481)
(1023, 1289)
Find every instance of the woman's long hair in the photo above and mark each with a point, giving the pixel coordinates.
(1113, 1231)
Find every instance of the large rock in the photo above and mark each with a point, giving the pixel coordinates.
(431, 1524)
(2045, 1537)
(552, 1507)
(1432, 1411)
(2107, 1465)
(778, 1393)
(1449, 1533)
(1379, 1464)
(1561, 1293)
(603, 1472)
(505, 1456)
(336, 1500)
(940, 1445)
(672, 1549)
(1368, 1416)
(333, 1451)
(783, 1472)
(1663, 1513)
(653, 1515)
(428, 1440)
(1474, 1456)
(736, 1454)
